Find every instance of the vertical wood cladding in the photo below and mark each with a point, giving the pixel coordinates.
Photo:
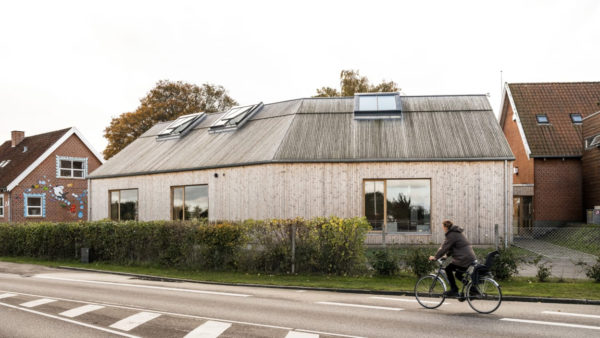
(469, 193)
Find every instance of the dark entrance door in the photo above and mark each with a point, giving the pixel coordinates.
(523, 214)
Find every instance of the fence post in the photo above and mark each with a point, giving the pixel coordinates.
(496, 236)
(293, 247)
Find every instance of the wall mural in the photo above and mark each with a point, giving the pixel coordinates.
(74, 203)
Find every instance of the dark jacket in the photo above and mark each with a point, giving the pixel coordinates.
(457, 246)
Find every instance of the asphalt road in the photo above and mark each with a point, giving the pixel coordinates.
(43, 302)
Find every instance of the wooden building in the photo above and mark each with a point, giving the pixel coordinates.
(405, 162)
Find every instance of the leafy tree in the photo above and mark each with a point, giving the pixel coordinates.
(351, 82)
(165, 102)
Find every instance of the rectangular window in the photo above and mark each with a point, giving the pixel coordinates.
(189, 202)
(124, 205)
(1, 205)
(34, 205)
(407, 206)
(71, 167)
(542, 119)
(377, 105)
(576, 118)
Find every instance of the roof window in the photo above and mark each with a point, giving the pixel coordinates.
(4, 163)
(576, 118)
(542, 119)
(181, 126)
(377, 105)
(592, 142)
(235, 117)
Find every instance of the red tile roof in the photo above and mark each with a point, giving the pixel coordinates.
(19, 160)
(561, 137)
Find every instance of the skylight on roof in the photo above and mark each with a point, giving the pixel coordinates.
(235, 117)
(576, 118)
(4, 163)
(180, 126)
(593, 142)
(377, 105)
(542, 119)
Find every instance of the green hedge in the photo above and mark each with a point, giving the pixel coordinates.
(323, 245)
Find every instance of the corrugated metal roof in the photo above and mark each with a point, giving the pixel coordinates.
(324, 129)
(561, 137)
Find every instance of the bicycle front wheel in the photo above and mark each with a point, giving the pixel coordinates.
(484, 297)
(429, 291)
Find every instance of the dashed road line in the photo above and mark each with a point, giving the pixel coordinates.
(539, 322)
(296, 334)
(329, 333)
(7, 295)
(210, 329)
(362, 306)
(570, 314)
(133, 321)
(69, 321)
(145, 286)
(38, 302)
(78, 311)
(406, 300)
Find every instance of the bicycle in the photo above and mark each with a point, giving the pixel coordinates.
(481, 291)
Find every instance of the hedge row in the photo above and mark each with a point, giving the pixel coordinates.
(326, 245)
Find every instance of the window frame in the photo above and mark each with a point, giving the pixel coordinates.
(368, 114)
(183, 199)
(538, 116)
(177, 128)
(224, 122)
(84, 167)
(137, 203)
(1, 205)
(385, 212)
(42, 205)
(573, 118)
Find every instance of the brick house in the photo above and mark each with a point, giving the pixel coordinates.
(406, 163)
(543, 125)
(591, 161)
(44, 177)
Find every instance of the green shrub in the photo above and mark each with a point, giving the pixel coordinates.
(506, 264)
(385, 262)
(593, 271)
(417, 261)
(543, 269)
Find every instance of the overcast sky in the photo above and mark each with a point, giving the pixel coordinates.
(82, 63)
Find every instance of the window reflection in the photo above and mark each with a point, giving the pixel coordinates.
(190, 202)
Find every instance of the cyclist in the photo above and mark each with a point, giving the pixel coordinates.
(457, 246)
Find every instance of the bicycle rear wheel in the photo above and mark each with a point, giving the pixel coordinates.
(429, 291)
(484, 297)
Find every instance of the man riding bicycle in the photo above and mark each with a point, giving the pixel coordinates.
(457, 246)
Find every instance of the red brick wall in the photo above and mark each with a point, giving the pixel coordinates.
(591, 164)
(43, 181)
(525, 165)
(557, 191)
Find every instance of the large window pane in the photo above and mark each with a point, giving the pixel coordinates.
(178, 204)
(386, 102)
(374, 203)
(114, 205)
(196, 202)
(128, 204)
(367, 103)
(408, 205)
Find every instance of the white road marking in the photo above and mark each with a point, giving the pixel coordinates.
(69, 321)
(329, 333)
(570, 314)
(145, 286)
(551, 323)
(210, 329)
(7, 295)
(362, 306)
(406, 300)
(296, 334)
(134, 321)
(78, 311)
(38, 302)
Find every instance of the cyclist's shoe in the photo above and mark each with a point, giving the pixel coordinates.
(451, 293)
(461, 297)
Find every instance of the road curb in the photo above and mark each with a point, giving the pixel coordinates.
(358, 291)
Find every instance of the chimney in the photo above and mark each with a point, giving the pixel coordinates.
(17, 137)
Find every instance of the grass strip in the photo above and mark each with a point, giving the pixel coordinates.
(518, 286)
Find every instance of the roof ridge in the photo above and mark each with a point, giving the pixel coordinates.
(551, 83)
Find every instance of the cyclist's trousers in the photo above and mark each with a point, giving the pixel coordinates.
(450, 269)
